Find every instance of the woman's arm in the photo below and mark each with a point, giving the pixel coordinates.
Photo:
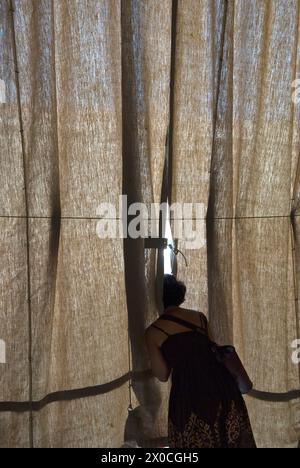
(159, 366)
(207, 325)
(209, 332)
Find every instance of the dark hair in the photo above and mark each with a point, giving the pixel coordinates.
(174, 291)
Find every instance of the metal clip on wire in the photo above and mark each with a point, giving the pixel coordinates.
(176, 252)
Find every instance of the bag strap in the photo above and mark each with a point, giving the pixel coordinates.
(158, 328)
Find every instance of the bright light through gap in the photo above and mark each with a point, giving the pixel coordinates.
(167, 252)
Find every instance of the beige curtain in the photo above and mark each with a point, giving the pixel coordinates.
(146, 57)
(240, 59)
(198, 42)
(67, 99)
(256, 151)
(86, 118)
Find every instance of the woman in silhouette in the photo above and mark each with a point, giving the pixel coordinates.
(206, 408)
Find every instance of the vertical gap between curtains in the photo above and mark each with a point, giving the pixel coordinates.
(166, 192)
(297, 172)
(172, 97)
(138, 187)
(130, 407)
(216, 104)
(56, 208)
(56, 213)
(20, 115)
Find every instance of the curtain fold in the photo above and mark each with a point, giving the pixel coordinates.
(14, 378)
(68, 57)
(146, 61)
(198, 48)
(251, 278)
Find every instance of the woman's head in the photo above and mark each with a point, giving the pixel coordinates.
(174, 291)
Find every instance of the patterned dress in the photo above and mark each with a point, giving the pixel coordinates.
(206, 408)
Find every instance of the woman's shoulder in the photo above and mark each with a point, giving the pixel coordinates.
(189, 315)
(194, 313)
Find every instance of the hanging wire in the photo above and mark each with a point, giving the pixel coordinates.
(176, 252)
